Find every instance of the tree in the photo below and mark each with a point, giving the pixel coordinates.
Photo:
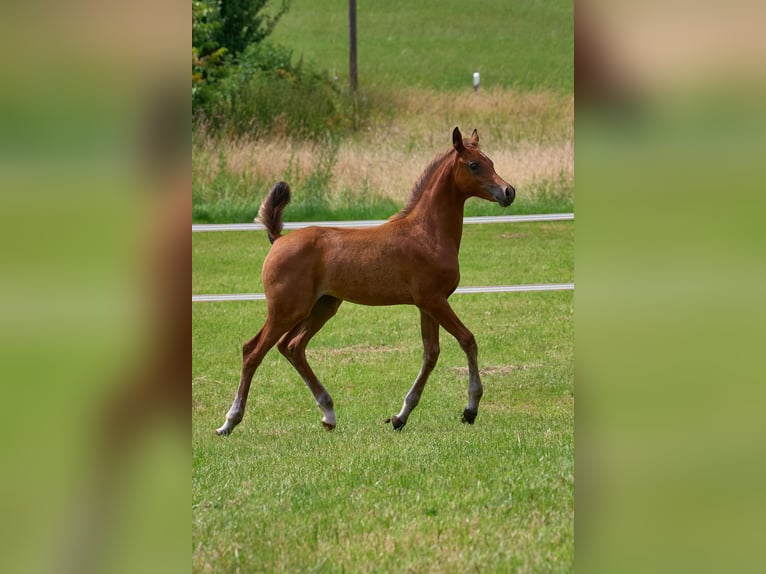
(243, 23)
(223, 29)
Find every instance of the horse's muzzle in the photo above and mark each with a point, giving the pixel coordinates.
(506, 197)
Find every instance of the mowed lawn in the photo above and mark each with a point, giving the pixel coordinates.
(283, 495)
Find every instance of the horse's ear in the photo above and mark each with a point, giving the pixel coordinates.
(457, 139)
(475, 137)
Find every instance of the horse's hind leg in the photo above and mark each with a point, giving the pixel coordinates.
(429, 329)
(293, 346)
(252, 354)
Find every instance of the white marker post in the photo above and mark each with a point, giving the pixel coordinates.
(476, 81)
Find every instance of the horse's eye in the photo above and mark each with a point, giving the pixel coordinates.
(473, 165)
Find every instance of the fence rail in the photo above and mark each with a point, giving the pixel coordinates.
(459, 290)
(373, 222)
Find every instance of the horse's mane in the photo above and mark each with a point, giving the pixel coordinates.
(420, 185)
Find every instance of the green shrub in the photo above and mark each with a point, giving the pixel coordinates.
(264, 92)
(243, 85)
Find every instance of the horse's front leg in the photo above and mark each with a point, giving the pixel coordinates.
(443, 313)
(429, 329)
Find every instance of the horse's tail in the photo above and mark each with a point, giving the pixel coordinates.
(270, 213)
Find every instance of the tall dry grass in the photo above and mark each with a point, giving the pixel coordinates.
(528, 135)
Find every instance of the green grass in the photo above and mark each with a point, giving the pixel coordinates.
(416, 61)
(282, 495)
(236, 211)
(230, 178)
(548, 198)
(439, 43)
(491, 254)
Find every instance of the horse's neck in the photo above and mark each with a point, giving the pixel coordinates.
(440, 211)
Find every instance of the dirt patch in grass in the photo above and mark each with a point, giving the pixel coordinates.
(355, 350)
(496, 370)
(513, 235)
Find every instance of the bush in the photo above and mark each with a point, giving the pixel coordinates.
(244, 86)
(264, 92)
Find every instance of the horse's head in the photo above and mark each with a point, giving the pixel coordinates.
(474, 172)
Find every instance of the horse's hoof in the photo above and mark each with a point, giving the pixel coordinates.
(469, 416)
(396, 422)
(327, 426)
(227, 427)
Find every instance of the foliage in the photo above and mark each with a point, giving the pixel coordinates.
(264, 91)
(270, 95)
(227, 27)
(207, 53)
(205, 25)
(244, 24)
(243, 85)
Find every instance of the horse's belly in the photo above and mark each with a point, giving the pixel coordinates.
(370, 290)
(375, 300)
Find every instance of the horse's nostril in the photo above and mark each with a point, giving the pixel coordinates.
(510, 193)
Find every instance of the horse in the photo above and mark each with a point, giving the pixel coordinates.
(411, 259)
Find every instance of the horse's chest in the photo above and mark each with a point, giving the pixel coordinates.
(439, 273)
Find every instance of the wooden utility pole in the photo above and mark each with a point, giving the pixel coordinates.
(352, 44)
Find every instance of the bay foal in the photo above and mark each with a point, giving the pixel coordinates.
(412, 259)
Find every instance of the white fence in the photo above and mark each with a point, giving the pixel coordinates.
(372, 223)
(491, 289)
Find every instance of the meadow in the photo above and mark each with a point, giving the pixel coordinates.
(414, 88)
(369, 175)
(491, 254)
(283, 495)
(438, 44)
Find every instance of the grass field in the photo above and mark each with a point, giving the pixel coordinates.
(283, 495)
(415, 83)
(370, 175)
(438, 44)
(491, 254)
